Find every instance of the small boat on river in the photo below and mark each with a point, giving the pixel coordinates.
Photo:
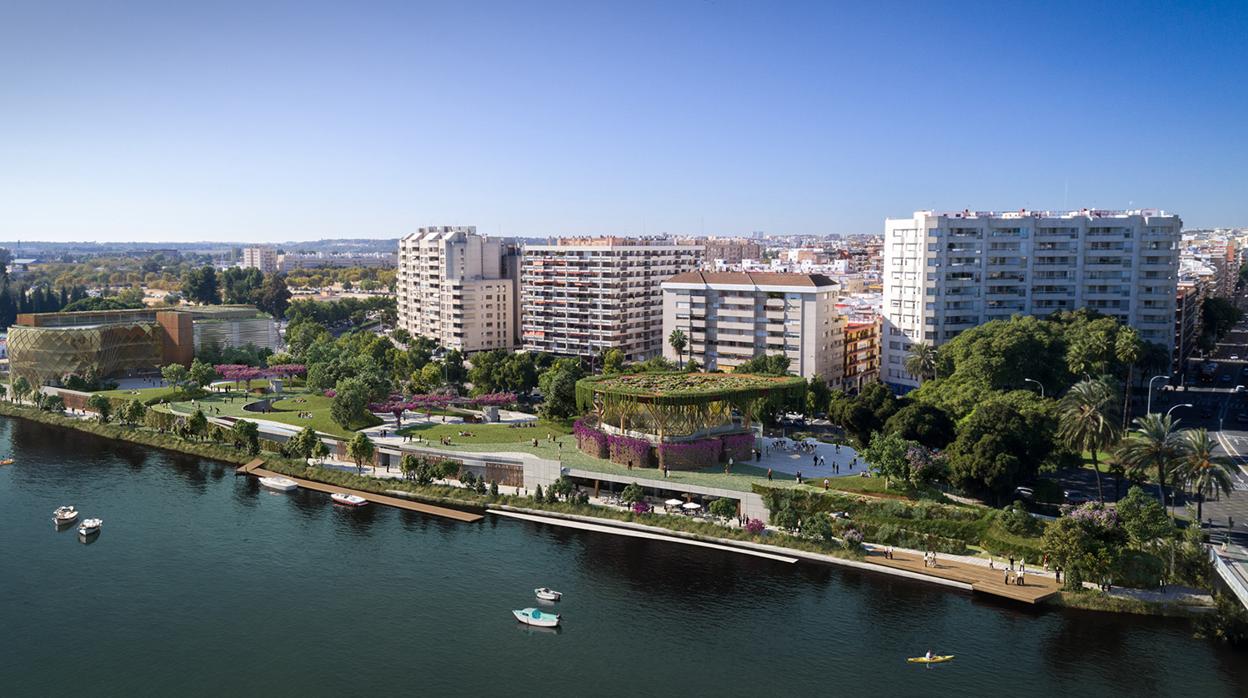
(548, 594)
(6, 461)
(90, 527)
(537, 618)
(64, 516)
(279, 484)
(348, 500)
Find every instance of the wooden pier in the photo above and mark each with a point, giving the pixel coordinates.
(981, 579)
(255, 468)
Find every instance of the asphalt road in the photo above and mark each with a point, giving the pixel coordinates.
(1218, 402)
(1231, 428)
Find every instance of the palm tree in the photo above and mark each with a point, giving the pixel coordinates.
(921, 361)
(1204, 471)
(678, 341)
(1088, 421)
(1128, 349)
(1153, 444)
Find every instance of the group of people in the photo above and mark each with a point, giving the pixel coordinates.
(522, 425)
(929, 559)
(793, 446)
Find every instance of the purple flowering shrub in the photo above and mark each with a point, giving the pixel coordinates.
(755, 526)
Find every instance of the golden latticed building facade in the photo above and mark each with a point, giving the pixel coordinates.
(44, 348)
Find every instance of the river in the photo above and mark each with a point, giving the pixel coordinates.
(201, 583)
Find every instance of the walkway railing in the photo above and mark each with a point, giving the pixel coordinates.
(1231, 573)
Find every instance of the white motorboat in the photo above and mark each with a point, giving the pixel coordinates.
(279, 484)
(349, 500)
(90, 526)
(63, 516)
(548, 594)
(537, 618)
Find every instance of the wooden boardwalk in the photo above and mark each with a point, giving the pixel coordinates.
(981, 579)
(255, 468)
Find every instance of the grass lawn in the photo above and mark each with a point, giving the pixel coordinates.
(490, 433)
(143, 394)
(285, 410)
(1101, 457)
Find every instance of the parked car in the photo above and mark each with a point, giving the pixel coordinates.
(1073, 497)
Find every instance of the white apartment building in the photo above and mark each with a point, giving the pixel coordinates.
(947, 272)
(454, 286)
(731, 317)
(588, 294)
(262, 258)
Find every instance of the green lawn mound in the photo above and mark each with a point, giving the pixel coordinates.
(287, 410)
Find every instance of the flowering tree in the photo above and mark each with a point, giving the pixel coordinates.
(392, 406)
(286, 370)
(755, 526)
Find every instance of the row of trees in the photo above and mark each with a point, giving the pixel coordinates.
(1186, 457)
(986, 400)
(237, 286)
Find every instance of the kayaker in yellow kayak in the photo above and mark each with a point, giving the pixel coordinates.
(930, 658)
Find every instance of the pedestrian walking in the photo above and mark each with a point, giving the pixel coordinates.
(825, 484)
(769, 475)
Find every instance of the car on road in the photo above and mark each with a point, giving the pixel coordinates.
(1242, 417)
(1073, 497)
(1225, 378)
(1234, 357)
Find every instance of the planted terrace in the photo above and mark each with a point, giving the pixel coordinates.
(680, 421)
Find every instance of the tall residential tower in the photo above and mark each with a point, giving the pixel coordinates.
(582, 296)
(948, 272)
(458, 288)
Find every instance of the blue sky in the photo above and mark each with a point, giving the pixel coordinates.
(285, 121)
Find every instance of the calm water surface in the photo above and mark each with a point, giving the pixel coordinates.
(201, 583)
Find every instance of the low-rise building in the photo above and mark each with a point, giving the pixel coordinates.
(45, 348)
(732, 317)
(862, 355)
(731, 250)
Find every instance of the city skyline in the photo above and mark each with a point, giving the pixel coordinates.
(270, 125)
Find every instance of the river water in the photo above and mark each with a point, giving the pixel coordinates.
(201, 583)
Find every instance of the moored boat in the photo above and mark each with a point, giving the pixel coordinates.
(349, 500)
(279, 484)
(548, 594)
(537, 618)
(63, 516)
(90, 526)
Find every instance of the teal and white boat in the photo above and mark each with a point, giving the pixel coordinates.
(537, 618)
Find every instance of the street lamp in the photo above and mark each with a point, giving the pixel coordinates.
(1186, 404)
(1032, 380)
(1150, 392)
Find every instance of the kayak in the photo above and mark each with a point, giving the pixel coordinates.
(934, 660)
